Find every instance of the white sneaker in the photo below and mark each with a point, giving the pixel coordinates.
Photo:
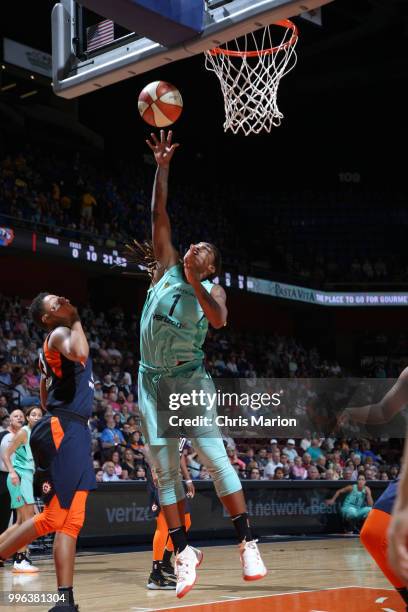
(253, 567)
(185, 570)
(24, 567)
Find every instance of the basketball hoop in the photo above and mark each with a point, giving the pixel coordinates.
(250, 74)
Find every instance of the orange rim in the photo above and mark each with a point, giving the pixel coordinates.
(284, 23)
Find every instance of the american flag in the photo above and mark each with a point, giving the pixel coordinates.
(99, 35)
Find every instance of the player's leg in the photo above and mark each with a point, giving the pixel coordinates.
(18, 539)
(229, 489)
(19, 498)
(70, 523)
(166, 566)
(166, 460)
(171, 492)
(157, 580)
(48, 521)
(374, 537)
(350, 516)
(22, 563)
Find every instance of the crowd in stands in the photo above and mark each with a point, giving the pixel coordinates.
(75, 198)
(296, 235)
(118, 448)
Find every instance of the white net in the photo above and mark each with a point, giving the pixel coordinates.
(249, 70)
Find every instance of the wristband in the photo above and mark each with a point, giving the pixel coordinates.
(189, 482)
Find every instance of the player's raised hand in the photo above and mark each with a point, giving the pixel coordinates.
(163, 149)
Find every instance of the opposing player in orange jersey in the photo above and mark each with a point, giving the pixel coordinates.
(380, 530)
(61, 441)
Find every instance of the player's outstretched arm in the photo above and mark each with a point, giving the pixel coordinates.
(163, 150)
(385, 410)
(339, 492)
(69, 339)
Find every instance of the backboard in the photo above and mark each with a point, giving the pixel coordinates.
(90, 50)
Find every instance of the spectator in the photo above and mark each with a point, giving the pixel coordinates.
(98, 391)
(110, 436)
(298, 471)
(140, 473)
(313, 473)
(306, 440)
(321, 464)
(307, 460)
(115, 458)
(286, 464)
(109, 472)
(254, 474)
(88, 202)
(330, 474)
(248, 456)
(129, 462)
(204, 473)
(279, 474)
(234, 460)
(26, 396)
(273, 463)
(5, 375)
(262, 457)
(314, 449)
(394, 472)
(290, 450)
(348, 473)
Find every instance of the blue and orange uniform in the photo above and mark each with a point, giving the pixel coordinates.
(61, 443)
(374, 534)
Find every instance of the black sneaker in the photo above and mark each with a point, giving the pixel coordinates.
(158, 582)
(167, 570)
(64, 608)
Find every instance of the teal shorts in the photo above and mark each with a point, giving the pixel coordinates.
(22, 493)
(154, 388)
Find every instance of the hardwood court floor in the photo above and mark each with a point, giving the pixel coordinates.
(307, 576)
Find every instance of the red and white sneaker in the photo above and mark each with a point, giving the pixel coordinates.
(253, 567)
(185, 570)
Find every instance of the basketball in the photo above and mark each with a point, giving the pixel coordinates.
(160, 104)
